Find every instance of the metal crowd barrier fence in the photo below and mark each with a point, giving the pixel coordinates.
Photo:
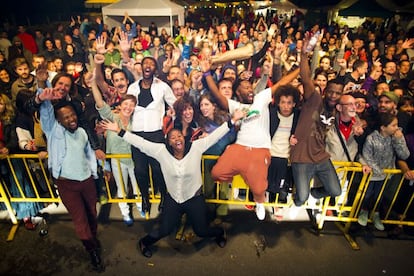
(25, 178)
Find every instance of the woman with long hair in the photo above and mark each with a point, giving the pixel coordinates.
(9, 144)
(212, 116)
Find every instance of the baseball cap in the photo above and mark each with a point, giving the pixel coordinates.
(390, 95)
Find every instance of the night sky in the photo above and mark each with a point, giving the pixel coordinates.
(40, 11)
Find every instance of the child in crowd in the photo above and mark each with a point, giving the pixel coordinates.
(380, 150)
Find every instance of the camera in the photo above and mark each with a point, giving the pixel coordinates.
(356, 87)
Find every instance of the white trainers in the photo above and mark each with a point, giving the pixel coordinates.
(49, 209)
(377, 222)
(342, 197)
(140, 211)
(363, 218)
(260, 211)
(313, 202)
(294, 211)
(235, 193)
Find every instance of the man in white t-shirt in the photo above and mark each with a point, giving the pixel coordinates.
(249, 156)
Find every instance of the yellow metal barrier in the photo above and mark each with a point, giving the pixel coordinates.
(343, 210)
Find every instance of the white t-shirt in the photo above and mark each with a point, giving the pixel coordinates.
(280, 141)
(254, 130)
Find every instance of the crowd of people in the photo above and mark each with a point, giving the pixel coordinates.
(277, 102)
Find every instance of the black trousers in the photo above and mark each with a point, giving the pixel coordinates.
(196, 210)
(142, 163)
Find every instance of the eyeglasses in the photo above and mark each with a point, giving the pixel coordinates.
(360, 104)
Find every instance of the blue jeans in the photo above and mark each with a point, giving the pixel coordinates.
(324, 171)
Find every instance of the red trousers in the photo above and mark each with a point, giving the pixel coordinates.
(251, 163)
(79, 197)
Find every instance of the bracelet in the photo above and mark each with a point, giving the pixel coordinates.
(230, 123)
(121, 133)
(205, 74)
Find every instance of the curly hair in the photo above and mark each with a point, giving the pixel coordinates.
(181, 104)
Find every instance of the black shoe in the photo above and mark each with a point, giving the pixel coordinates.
(96, 261)
(145, 251)
(146, 205)
(161, 205)
(221, 241)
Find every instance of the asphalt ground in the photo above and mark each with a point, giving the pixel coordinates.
(253, 248)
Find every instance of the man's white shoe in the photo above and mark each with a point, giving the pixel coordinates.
(260, 211)
(51, 208)
(294, 211)
(313, 202)
(235, 193)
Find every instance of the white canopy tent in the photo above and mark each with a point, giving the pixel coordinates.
(162, 12)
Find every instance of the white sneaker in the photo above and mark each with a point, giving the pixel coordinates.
(260, 211)
(294, 211)
(342, 197)
(50, 208)
(235, 193)
(313, 202)
(377, 222)
(140, 211)
(36, 220)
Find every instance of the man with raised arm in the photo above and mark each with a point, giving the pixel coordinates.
(308, 155)
(250, 155)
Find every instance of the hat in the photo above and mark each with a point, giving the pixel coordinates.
(358, 95)
(228, 66)
(390, 95)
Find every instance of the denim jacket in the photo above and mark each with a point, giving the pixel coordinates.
(56, 143)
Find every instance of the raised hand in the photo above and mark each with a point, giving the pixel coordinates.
(176, 55)
(49, 94)
(199, 37)
(230, 43)
(272, 30)
(345, 40)
(124, 44)
(100, 45)
(188, 35)
(408, 43)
